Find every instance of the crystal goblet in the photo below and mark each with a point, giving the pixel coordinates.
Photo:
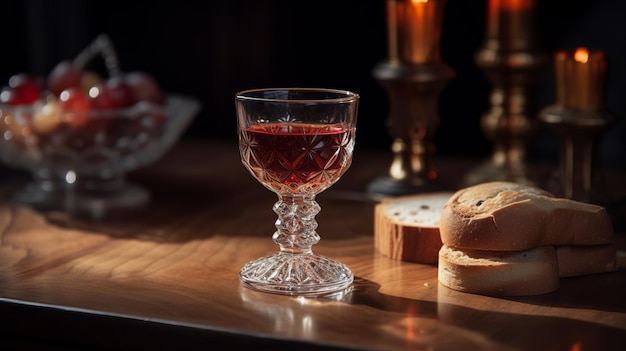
(297, 142)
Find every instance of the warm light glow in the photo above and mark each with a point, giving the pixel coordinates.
(410, 333)
(576, 347)
(512, 5)
(510, 25)
(418, 34)
(581, 55)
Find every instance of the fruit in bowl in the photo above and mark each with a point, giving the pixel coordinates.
(79, 133)
(80, 115)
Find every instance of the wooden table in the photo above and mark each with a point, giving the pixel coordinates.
(167, 277)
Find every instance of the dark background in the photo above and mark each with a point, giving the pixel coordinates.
(212, 49)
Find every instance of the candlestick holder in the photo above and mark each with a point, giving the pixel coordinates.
(579, 134)
(579, 119)
(413, 77)
(510, 58)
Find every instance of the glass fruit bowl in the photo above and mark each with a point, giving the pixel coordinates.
(79, 158)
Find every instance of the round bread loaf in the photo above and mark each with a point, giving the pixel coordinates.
(500, 273)
(505, 216)
(407, 227)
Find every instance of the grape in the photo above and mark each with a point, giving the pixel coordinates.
(73, 99)
(23, 89)
(88, 80)
(75, 107)
(7, 96)
(110, 95)
(64, 75)
(16, 129)
(100, 98)
(144, 87)
(46, 118)
(120, 91)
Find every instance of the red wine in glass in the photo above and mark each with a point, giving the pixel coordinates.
(297, 158)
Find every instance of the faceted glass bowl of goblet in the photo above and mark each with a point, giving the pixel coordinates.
(296, 142)
(79, 159)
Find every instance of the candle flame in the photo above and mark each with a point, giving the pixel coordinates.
(511, 5)
(581, 55)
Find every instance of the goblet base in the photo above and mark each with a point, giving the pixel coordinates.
(302, 274)
(88, 203)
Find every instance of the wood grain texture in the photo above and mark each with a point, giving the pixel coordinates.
(168, 276)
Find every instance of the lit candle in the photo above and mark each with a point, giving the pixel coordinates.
(510, 24)
(560, 68)
(580, 79)
(392, 29)
(415, 30)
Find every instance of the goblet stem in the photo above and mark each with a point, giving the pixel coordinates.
(296, 270)
(296, 223)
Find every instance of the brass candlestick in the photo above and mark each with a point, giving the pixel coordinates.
(510, 58)
(413, 77)
(579, 119)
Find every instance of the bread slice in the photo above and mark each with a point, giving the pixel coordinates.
(500, 273)
(505, 216)
(407, 227)
(586, 259)
(519, 273)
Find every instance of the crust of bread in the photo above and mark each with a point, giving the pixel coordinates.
(504, 216)
(500, 273)
(586, 259)
(407, 227)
